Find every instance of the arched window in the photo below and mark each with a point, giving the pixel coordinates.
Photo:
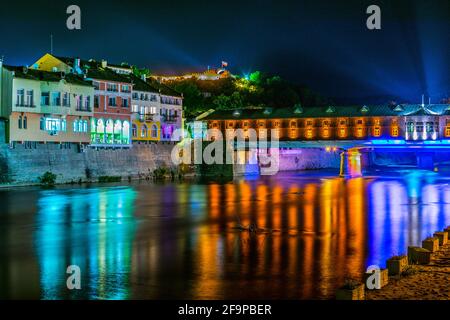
(20, 122)
(109, 130)
(25, 122)
(134, 130)
(154, 131)
(85, 126)
(126, 132)
(75, 126)
(144, 131)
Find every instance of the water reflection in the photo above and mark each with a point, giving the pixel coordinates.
(183, 241)
(92, 229)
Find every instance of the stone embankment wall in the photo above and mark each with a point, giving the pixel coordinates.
(21, 165)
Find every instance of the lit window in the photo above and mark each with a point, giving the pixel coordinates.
(376, 131)
(309, 133)
(394, 131)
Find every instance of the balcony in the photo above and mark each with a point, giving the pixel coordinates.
(81, 109)
(169, 119)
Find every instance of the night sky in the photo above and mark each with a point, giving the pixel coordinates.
(322, 44)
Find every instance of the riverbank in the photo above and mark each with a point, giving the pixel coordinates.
(427, 282)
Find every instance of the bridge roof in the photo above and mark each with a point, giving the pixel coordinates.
(330, 112)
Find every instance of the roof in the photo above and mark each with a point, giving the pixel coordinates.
(139, 84)
(162, 88)
(39, 75)
(106, 74)
(328, 112)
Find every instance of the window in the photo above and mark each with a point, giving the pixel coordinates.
(309, 133)
(113, 87)
(78, 101)
(342, 122)
(20, 122)
(56, 98)
(80, 126)
(20, 97)
(293, 124)
(342, 132)
(261, 124)
(96, 85)
(359, 132)
(53, 125)
(87, 103)
(112, 102)
(134, 131)
(96, 101)
(394, 131)
(30, 98)
(144, 131)
(326, 123)
(154, 132)
(125, 88)
(359, 122)
(125, 103)
(447, 131)
(419, 126)
(135, 108)
(135, 96)
(66, 99)
(376, 131)
(45, 98)
(430, 127)
(410, 127)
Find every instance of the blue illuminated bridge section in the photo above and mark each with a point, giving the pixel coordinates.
(356, 144)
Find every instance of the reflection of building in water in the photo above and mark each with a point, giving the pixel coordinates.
(92, 229)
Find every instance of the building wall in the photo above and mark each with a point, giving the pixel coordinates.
(139, 125)
(105, 112)
(33, 131)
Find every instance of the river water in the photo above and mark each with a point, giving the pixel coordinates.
(183, 240)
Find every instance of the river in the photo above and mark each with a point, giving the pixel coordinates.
(182, 240)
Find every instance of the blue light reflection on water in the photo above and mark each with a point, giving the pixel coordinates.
(90, 228)
(404, 211)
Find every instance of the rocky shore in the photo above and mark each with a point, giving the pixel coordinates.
(424, 282)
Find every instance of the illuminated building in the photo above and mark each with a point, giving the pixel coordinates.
(408, 122)
(110, 124)
(43, 107)
(145, 109)
(113, 102)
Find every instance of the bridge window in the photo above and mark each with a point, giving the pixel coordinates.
(394, 131)
(447, 131)
(342, 132)
(419, 126)
(376, 131)
(359, 132)
(410, 127)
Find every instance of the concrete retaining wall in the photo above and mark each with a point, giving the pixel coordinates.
(25, 165)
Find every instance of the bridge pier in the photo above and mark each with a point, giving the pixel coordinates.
(350, 164)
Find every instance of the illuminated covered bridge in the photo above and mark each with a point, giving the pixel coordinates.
(423, 129)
